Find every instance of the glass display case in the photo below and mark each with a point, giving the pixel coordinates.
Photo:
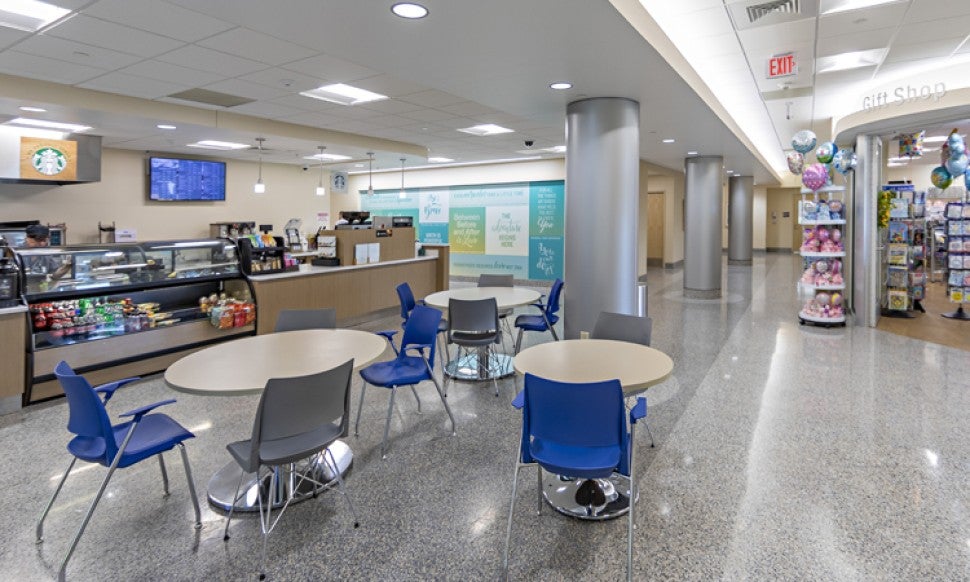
(106, 305)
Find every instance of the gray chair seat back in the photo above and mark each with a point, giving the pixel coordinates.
(300, 319)
(486, 280)
(627, 328)
(473, 322)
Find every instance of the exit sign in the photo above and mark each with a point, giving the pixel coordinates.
(782, 66)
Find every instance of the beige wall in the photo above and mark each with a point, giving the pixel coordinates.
(671, 184)
(122, 197)
(779, 229)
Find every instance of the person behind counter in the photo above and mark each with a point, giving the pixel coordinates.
(38, 236)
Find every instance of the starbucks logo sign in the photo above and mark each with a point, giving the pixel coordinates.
(49, 161)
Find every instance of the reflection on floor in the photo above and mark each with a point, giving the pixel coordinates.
(783, 452)
(932, 326)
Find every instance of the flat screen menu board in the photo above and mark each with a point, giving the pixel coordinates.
(181, 179)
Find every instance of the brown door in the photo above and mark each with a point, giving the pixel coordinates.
(796, 239)
(655, 229)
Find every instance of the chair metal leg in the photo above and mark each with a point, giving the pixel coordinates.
(188, 477)
(340, 482)
(62, 572)
(538, 489)
(415, 392)
(264, 526)
(442, 396)
(508, 532)
(443, 352)
(387, 423)
(493, 372)
(40, 524)
(161, 464)
(633, 499)
(649, 432)
(360, 406)
(235, 498)
(518, 341)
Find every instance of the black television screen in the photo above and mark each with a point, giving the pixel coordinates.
(181, 179)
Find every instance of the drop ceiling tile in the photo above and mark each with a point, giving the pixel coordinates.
(133, 86)
(256, 46)
(101, 33)
(8, 36)
(247, 89)
(159, 17)
(431, 98)
(856, 21)
(947, 27)
(205, 59)
(469, 109)
(308, 104)
(265, 109)
(333, 69)
(36, 67)
(390, 121)
(390, 106)
(776, 38)
(924, 10)
(169, 73)
(862, 41)
(458, 123)
(388, 85)
(712, 21)
(428, 128)
(281, 78)
(312, 119)
(68, 50)
(926, 49)
(429, 115)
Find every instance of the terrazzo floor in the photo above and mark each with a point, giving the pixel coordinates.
(783, 453)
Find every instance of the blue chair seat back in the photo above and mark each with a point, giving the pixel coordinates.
(406, 297)
(87, 417)
(421, 329)
(552, 306)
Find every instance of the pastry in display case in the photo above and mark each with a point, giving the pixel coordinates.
(101, 306)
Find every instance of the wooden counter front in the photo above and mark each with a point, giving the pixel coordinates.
(399, 245)
(353, 291)
(13, 338)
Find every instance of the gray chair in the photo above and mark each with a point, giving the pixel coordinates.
(624, 328)
(487, 280)
(300, 319)
(474, 325)
(296, 420)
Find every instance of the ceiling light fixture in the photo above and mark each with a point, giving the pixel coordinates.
(561, 86)
(166, 126)
(42, 123)
(343, 94)
(33, 109)
(259, 187)
(836, 6)
(29, 15)
(370, 173)
(409, 10)
(935, 139)
(402, 194)
(320, 189)
(691, 153)
(211, 144)
(669, 140)
(850, 60)
(486, 129)
(439, 160)
(327, 157)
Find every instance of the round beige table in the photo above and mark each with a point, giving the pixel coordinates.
(243, 366)
(478, 367)
(591, 360)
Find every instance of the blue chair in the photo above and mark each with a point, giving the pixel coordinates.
(420, 332)
(406, 296)
(116, 447)
(578, 430)
(544, 322)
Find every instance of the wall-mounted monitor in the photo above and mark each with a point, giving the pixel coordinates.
(178, 179)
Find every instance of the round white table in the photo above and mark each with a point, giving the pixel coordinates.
(594, 360)
(243, 366)
(475, 366)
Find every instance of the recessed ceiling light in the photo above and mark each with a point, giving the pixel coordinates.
(69, 127)
(165, 126)
(692, 153)
(33, 109)
(343, 94)
(669, 140)
(439, 160)
(835, 6)
(29, 15)
(561, 86)
(935, 139)
(850, 60)
(328, 157)
(409, 10)
(358, 165)
(211, 144)
(486, 129)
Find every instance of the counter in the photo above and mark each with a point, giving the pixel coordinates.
(13, 336)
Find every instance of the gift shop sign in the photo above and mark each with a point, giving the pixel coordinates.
(782, 66)
(904, 94)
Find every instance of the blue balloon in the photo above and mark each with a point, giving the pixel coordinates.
(966, 179)
(956, 164)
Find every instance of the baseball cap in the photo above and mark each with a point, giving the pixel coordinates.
(38, 231)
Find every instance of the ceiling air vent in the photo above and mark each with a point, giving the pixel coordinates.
(211, 98)
(759, 11)
(748, 14)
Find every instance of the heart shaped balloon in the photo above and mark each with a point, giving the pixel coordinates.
(957, 164)
(804, 141)
(826, 152)
(940, 177)
(815, 177)
(796, 162)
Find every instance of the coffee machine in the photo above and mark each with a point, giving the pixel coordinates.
(9, 280)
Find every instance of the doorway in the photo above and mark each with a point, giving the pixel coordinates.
(655, 229)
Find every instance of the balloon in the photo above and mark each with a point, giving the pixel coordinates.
(836, 235)
(815, 176)
(796, 162)
(957, 164)
(958, 147)
(822, 266)
(826, 152)
(966, 179)
(844, 161)
(836, 298)
(823, 298)
(823, 234)
(804, 141)
(940, 177)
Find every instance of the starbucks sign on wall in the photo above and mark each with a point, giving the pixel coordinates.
(48, 159)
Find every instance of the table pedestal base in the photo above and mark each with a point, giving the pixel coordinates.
(560, 492)
(475, 367)
(222, 485)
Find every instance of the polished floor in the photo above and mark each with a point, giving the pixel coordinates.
(931, 325)
(783, 453)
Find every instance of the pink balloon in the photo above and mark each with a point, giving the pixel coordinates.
(815, 176)
(836, 235)
(823, 234)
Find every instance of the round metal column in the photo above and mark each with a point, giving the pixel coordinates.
(702, 215)
(602, 197)
(865, 248)
(740, 212)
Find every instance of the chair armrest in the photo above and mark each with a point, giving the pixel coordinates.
(639, 410)
(141, 411)
(519, 400)
(419, 347)
(108, 390)
(389, 334)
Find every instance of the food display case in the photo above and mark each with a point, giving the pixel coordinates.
(120, 309)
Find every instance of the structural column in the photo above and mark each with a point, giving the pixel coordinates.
(702, 232)
(864, 260)
(602, 198)
(740, 211)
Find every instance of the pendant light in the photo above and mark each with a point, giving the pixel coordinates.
(402, 194)
(370, 174)
(320, 189)
(259, 187)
